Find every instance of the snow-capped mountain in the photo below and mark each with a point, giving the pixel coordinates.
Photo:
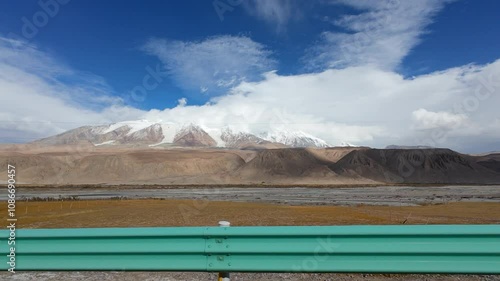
(393, 146)
(239, 139)
(193, 135)
(346, 144)
(293, 138)
(144, 132)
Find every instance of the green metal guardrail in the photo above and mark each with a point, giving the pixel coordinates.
(367, 249)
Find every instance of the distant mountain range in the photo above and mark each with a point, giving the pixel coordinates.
(143, 152)
(143, 132)
(392, 146)
(88, 164)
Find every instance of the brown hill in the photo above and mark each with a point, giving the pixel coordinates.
(333, 154)
(74, 136)
(490, 161)
(414, 166)
(193, 135)
(291, 165)
(282, 162)
(86, 164)
(119, 167)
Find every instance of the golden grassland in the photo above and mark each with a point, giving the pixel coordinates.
(142, 213)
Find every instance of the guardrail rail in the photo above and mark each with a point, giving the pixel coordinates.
(469, 249)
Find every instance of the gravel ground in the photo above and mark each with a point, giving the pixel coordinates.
(382, 195)
(179, 276)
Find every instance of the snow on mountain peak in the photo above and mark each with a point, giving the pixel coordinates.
(346, 144)
(293, 138)
(193, 135)
(189, 134)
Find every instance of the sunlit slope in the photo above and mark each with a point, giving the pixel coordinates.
(105, 165)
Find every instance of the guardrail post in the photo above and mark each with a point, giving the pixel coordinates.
(224, 276)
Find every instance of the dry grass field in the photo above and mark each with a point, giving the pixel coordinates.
(142, 213)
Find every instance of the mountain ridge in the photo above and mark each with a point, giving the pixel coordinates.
(88, 164)
(144, 132)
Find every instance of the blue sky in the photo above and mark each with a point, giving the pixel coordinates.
(93, 56)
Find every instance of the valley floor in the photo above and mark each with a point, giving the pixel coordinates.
(150, 212)
(348, 196)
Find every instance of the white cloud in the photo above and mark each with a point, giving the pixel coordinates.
(214, 64)
(35, 103)
(425, 119)
(382, 34)
(276, 12)
(182, 102)
(364, 105)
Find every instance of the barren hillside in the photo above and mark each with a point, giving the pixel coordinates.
(87, 164)
(414, 166)
(490, 161)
